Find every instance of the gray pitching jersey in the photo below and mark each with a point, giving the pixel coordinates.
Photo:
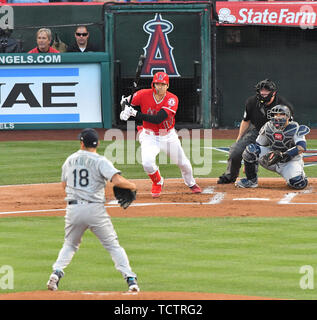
(85, 174)
(282, 140)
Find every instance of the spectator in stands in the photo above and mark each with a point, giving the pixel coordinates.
(43, 40)
(131, 1)
(26, 1)
(82, 44)
(7, 44)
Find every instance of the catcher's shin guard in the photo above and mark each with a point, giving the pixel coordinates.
(298, 182)
(251, 170)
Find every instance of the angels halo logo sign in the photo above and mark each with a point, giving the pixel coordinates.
(158, 51)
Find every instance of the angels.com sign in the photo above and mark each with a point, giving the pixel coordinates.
(268, 13)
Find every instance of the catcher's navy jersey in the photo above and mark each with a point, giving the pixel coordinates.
(85, 174)
(281, 140)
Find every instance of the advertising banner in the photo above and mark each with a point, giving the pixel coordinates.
(284, 13)
(63, 93)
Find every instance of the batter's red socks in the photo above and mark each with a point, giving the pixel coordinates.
(157, 184)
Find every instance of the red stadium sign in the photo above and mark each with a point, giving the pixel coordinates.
(286, 13)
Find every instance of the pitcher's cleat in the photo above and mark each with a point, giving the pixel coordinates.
(133, 285)
(53, 281)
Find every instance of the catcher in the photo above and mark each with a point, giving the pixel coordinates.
(279, 147)
(84, 177)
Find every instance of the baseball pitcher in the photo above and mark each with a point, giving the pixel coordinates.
(279, 147)
(84, 177)
(158, 110)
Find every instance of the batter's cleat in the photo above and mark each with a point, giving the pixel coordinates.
(245, 183)
(157, 189)
(224, 179)
(195, 188)
(133, 285)
(53, 281)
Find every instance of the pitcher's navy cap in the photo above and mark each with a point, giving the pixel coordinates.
(89, 137)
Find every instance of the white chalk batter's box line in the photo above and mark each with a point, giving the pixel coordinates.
(217, 198)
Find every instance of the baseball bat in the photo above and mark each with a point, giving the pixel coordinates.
(137, 77)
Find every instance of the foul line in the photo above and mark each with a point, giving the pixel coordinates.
(116, 206)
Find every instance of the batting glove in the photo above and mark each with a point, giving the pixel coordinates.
(132, 112)
(124, 115)
(124, 101)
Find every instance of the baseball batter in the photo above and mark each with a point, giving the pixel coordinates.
(279, 147)
(84, 177)
(158, 110)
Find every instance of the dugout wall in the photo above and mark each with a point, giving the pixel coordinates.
(175, 38)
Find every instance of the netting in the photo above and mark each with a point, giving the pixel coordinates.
(248, 54)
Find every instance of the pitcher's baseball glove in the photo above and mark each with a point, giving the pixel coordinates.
(272, 157)
(124, 196)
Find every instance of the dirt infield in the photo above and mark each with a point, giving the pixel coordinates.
(85, 295)
(175, 201)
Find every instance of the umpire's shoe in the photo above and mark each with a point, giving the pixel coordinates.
(225, 179)
(133, 285)
(245, 183)
(53, 281)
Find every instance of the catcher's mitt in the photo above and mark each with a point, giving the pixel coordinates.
(124, 196)
(272, 157)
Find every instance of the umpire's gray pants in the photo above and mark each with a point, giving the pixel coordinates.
(235, 153)
(93, 216)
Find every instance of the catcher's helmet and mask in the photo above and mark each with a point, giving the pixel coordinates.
(267, 85)
(279, 115)
(160, 77)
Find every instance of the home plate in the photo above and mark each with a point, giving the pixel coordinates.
(255, 199)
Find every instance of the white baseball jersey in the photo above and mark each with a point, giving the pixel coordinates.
(85, 174)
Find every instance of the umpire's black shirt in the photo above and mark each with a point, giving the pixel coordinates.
(257, 113)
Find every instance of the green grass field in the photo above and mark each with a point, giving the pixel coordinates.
(41, 161)
(247, 256)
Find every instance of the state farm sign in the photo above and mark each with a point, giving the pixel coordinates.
(268, 13)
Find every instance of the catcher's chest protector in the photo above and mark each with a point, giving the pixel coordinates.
(281, 140)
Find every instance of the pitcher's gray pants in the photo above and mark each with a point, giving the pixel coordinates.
(93, 216)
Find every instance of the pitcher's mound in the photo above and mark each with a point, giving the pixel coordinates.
(86, 295)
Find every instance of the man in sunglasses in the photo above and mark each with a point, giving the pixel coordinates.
(82, 44)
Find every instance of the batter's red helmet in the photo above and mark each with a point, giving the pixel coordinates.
(160, 77)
